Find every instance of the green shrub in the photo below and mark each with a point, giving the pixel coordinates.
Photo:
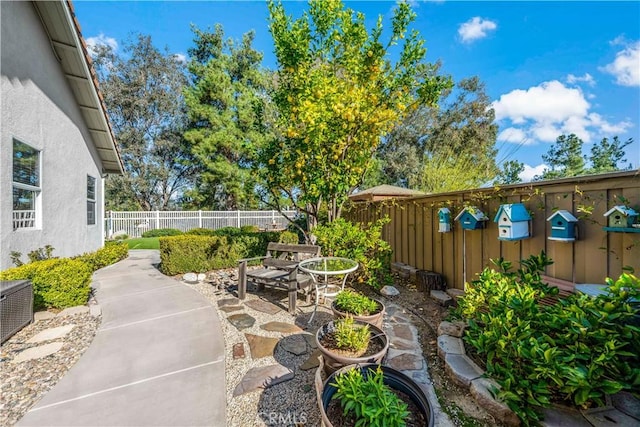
(121, 237)
(57, 283)
(228, 231)
(162, 232)
(578, 350)
(249, 229)
(288, 237)
(349, 335)
(201, 232)
(110, 253)
(356, 303)
(363, 244)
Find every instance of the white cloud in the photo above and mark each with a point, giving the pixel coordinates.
(180, 57)
(587, 78)
(544, 112)
(530, 172)
(626, 67)
(101, 39)
(475, 28)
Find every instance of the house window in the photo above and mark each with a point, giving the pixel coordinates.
(26, 185)
(91, 200)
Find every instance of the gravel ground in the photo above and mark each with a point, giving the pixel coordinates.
(23, 384)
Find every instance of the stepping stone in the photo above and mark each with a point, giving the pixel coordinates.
(441, 298)
(608, 416)
(38, 352)
(228, 301)
(230, 308)
(261, 346)
(263, 377)
(79, 309)
(238, 351)
(449, 345)
(390, 291)
(404, 332)
(462, 369)
(294, 344)
(406, 362)
(263, 306)
(286, 328)
(241, 321)
(562, 416)
(312, 362)
(455, 329)
(627, 403)
(43, 315)
(51, 334)
(400, 344)
(481, 390)
(311, 340)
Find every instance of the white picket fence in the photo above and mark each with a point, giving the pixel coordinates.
(135, 223)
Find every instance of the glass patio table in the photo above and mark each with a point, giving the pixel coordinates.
(329, 274)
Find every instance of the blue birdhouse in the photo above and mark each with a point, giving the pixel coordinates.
(620, 217)
(444, 220)
(513, 222)
(563, 226)
(472, 218)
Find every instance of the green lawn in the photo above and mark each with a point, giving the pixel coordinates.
(144, 243)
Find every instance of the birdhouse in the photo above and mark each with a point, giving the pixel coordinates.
(471, 218)
(444, 220)
(620, 217)
(513, 222)
(563, 226)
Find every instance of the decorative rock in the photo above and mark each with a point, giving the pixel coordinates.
(562, 416)
(238, 351)
(608, 416)
(51, 334)
(201, 277)
(455, 293)
(228, 301)
(95, 310)
(42, 315)
(462, 369)
(455, 329)
(38, 352)
(312, 361)
(403, 331)
(263, 377)
(190, 278)
(263, 306)
(261, 346)
(230, 308)
(241, 321)
(294, 344)
(449, 345)
(285, 328)
(481, 390)
(79, 309)
(389, 291)
(406, 362)
(626, 403)
(441, 298)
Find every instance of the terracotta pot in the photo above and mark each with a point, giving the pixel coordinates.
(334, 361)
(393, 378)
(374, 319)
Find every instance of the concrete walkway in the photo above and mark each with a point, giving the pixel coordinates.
(157, 358)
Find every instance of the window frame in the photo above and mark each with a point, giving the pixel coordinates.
(91, 202)
(35, 219)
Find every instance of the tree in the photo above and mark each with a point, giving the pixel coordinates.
(142, 91)
(565, 158)
(510, 173)
(338, 93)
(606, 156)
(228, 107)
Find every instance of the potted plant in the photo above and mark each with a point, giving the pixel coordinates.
(373, 395)
(347, 341)
(359, 306)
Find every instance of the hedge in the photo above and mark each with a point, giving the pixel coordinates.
(162, 232)
(111, 253)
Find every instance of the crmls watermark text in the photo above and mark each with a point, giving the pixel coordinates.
(283, 418)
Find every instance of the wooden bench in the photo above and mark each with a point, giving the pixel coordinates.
(279, 269)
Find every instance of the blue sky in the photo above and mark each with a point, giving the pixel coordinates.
(551, 68)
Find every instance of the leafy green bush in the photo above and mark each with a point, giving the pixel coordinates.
(57, 283)
(162, 232)
(369, 399)
(578, 349)
(110, 253)
(249, 229)
(201, 232)
(356, 303)
(363, 244)
(288, 237)
(121, 237)
(352, 336)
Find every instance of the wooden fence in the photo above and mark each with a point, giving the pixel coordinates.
(460, 254)
(135, 223)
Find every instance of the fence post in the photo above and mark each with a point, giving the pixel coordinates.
(238, 219)
(157, 219)
(200, 219)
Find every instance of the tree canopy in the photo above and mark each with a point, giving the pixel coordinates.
(337, 93)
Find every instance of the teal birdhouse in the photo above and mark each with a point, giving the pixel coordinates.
(444, 220)
(513, 222)
(472, 218)
(563, 226)
(622, 218)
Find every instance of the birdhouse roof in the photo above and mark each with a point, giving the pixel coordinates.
(474, 212)
(444, 210)
(623, 210)
(515, 212)
(568, 216)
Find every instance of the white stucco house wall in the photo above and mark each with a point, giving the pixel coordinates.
(57, 145)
